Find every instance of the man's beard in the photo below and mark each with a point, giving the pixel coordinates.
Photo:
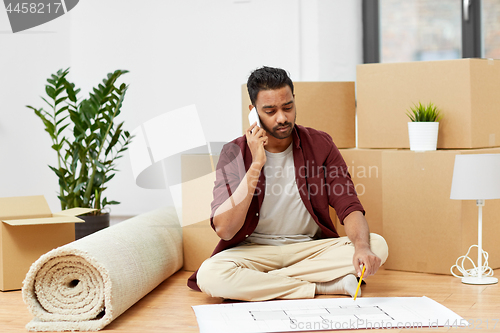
(279, 135)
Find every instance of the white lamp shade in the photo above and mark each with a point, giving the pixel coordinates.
(476, 176)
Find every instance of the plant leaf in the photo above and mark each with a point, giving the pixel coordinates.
(51, 92)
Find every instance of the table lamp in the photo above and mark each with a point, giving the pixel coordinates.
(476, 177)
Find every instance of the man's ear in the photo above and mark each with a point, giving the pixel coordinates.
(250, 107)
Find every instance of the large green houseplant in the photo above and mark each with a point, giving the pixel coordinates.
(87, 138)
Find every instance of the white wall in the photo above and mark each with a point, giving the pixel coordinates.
(26, 60)
(178, 53)
(331, 40)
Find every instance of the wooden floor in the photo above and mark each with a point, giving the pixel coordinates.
(168, 307)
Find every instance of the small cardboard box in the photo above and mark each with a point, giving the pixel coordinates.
(28, 230)
(325, 106)
(199, 239)
(466, 91)
(365, 168)
(427, 231)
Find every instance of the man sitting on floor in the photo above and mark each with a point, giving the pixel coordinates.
(272, 193)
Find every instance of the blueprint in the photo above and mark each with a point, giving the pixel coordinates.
(325, 314)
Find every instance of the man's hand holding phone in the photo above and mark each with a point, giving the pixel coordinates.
(256, 139)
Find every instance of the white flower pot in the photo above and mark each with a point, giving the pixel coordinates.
(423, 135)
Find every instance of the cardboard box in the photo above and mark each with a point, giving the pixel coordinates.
(199, 239)
(427, 231)
(325, 106)
(466, 90)
(365, 168)
(29, 230)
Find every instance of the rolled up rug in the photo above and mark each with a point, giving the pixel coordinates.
(85, 285)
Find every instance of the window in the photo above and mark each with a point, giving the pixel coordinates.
(490, 13)
(413, 30)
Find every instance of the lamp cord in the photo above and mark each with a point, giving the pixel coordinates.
(484, 270)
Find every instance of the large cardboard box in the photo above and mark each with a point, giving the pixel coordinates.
(28, 230)
(365, 168)
(466, 90)
(427, 231)
(199, 239)
(326, 106)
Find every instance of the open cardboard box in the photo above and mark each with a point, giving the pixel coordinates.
(28, 230)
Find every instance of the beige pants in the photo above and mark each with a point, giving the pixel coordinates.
(261, 272)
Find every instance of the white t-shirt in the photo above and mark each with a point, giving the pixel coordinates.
(284, 218)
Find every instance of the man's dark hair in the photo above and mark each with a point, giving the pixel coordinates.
(267, 78)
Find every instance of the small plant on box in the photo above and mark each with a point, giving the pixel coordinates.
(424, 126)
(424, 113)
(86, 137)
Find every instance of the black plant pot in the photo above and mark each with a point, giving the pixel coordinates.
(92, 224)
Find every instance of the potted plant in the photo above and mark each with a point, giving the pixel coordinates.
(424, 126)
(88, 141)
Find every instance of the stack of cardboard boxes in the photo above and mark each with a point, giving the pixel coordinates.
(406, 194)
(409, 192)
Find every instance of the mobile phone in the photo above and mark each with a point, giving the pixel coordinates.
(253, 117)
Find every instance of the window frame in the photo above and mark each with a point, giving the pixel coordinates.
(471, 30)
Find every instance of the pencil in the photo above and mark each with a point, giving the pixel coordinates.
(360, 280)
